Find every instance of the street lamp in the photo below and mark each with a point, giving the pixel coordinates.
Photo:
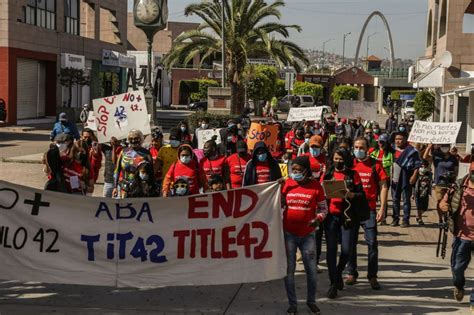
(223, 43)
(324, 50)
(344, 48)
(368, 38)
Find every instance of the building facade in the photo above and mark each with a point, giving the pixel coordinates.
(38, 38)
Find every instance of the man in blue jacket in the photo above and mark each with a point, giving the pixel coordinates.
(63, 125)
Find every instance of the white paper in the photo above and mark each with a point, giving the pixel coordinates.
(205, 135)
(435, 133)
(356, 109)
(305, 113)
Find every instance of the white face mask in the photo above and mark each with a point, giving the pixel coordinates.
(62, 146)
(204, 126)
(445, 149)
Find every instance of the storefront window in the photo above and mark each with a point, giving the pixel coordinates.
(41, 13)
(71, 16)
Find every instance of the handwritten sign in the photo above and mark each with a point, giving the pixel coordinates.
(207, 239)
(265, 133)
(206, 135)
(305, 113)
(436, 133)
(356, 109)
(117, 115)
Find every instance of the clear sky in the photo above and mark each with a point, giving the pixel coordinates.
(322, 20)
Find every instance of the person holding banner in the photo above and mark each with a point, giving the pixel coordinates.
(262, 168)
(213, 163)
(186, 168)
(203, 125)
(236, 164)
(304, 209)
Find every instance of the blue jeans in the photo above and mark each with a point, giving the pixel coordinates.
(307, 246)
(397, 194)
(370, 233)
(334, 230)
(319, 244)
(460, 258)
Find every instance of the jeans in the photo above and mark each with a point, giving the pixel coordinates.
(370, 233)
(334, 230)
(307, 246)
(397, 194)
(108, 189)
(460, 258)
(319, 244)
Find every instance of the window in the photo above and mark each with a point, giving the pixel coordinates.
(41, 13)
(468, 20)
(429, 35)
(71, 16)
(442, 19)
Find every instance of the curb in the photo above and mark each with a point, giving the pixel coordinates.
(10, 160)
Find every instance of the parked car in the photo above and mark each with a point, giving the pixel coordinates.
(200, 106)
(408, 109)
(289, 101)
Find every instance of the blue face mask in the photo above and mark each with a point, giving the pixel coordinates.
(315, 151)
(181, 191)
(262, 157)
(306, 140)
(297, 176)
(185, 159)
(143, 176)
(174, 143)
(402, 129)
(359, 154)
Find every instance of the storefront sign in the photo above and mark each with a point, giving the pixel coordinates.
(73, 61)
(115, 59)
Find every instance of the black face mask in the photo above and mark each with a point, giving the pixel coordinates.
(339, 166)
(81, 157)
(472, 178)
(89, 142)
(209, 153)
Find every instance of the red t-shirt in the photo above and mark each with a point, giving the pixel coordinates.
(369, 181)
(154, 155)
(263, 172)
(212, 167)
(317, 164)
(302, 202)
(236, 166)
(74, 169)
(336, 204)
(188, 172)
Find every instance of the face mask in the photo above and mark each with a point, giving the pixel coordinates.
(359, 154)
(181, 191)
(174, 143)
(315, 151)
(444, 149)
(143, 176)
(183, 129)
(134, 143)
(209, 153)
(299, 135)
(285, 161)
(306, 140)
(402, 129)
(422, 170)
(297, 176)
(262, 157)
(339, 165)
(89, 142)
(471, 177)
(240, 132)
(230, 139)
(204, 126)
(185, 159)
(382, 144)
(242, 153)
(62, 147)
(80, 156)
(317, 131)
(376, 131)
(230, 125)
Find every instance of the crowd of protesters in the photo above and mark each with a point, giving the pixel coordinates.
(372, 163)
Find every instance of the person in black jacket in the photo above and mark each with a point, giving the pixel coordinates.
(262, 168)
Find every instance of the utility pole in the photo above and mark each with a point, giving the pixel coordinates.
(223, 44)
(368, 38)
(344, 48)
(324, 51)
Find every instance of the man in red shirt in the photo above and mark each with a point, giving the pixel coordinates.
(317, 159)
(212, 163)
(236, 164)
(262, 167)
(373, 179)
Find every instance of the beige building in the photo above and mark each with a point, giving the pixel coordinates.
(448, 65)
(39, 37)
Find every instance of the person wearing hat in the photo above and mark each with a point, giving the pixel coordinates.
(459, 206)
(63, 125)
(304, 209)
(236, 164)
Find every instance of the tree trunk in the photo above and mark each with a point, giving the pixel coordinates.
(237, 98)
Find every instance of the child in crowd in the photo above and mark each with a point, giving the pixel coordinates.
(216, 183)
(180, 188)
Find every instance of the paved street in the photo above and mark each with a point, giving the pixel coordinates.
(414, 281)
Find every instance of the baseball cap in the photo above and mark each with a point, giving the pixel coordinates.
(316, 140)
(383, 138)
(63, 117)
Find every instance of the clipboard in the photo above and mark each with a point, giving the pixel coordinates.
(335, 188)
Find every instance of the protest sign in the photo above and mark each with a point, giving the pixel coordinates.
(265, 133)
(208, 239)
(356, 109)
(463, 169)
(305, 113)
(435, 133)
(90, 123)
(206, 135)
(335, 188)
(117, 115)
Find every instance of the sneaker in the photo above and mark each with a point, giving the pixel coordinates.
(293, 309)
(314, 308)
(458, 294)
(318, 269)
(332, 292)
(383, 223)
(420, 221)
(351, 280)
(340, 284)
(395, 223)
(405, 224)
(374, 284)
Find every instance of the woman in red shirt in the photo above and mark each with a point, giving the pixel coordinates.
(338, 222)
(304, 209)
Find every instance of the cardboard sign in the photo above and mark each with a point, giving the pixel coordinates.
(335, 188)
(435, 133)
(117, 115)
(208, 239)
(305, 113)
(206, 135)
(265, 133)
(356, 109)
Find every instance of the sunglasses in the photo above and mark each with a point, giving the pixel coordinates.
(368, 133)
(182, 185)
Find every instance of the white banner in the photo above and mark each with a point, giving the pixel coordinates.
(305, 113)
(206, 135)
(222, 238)
(356, 109)
(117, 115)
(435, 133)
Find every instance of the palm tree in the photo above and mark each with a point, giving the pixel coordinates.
(247, 35)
